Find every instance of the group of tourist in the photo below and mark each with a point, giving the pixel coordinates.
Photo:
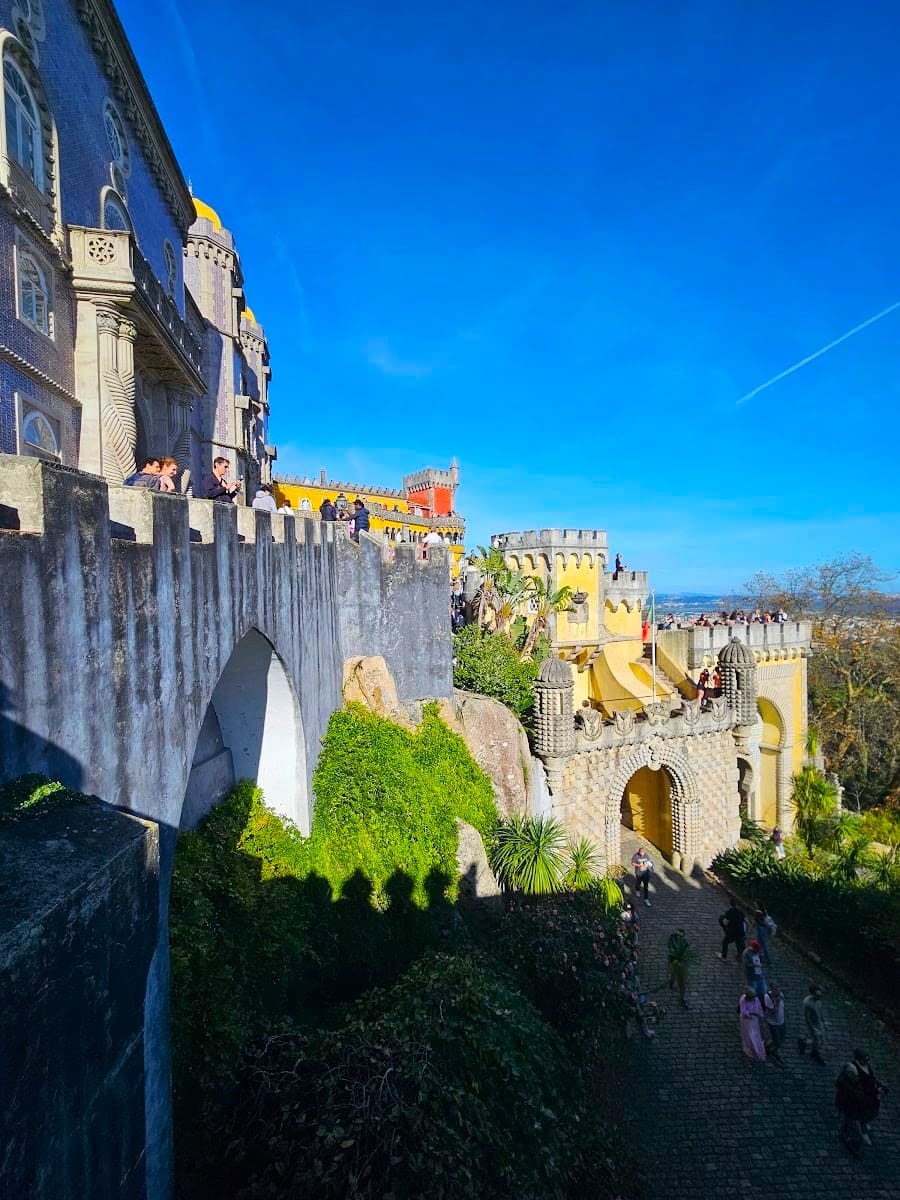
(156, 474)
(761, 1007)
(357, 520)
(736, 617)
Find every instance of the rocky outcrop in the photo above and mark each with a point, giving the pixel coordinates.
(476, 879)
(368, 681)
(498, 744)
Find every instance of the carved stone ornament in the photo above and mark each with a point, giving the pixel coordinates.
(654, 756)
(658, 713)
(623, 722)
(719, 708)
(591, 723)
(128, 329)
(690, 711)
(101, 249)
(107, 322)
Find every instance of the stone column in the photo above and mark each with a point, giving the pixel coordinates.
(116, 338)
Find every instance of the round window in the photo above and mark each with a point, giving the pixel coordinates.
(38, 432)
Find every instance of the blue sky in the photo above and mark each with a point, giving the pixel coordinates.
(561, 240)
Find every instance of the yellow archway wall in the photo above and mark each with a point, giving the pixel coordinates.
(771, 738)
(647, 808)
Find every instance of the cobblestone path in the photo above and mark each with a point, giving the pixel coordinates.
(707, 1122)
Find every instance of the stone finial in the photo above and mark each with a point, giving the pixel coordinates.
(554, 723)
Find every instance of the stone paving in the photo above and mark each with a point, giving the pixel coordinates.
(706, 1121)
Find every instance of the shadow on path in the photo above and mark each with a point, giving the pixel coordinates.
(707, 1122)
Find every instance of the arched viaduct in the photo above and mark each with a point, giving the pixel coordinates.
(126, 613)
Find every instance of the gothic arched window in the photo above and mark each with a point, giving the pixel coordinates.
(34, 298)
(23, 130)
(38, 434)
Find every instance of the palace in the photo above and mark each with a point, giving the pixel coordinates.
(426, 502)
(124, 328)
(625, 741)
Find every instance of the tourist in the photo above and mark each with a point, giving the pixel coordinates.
(286, 507)
(360, 519)
(642, 866)
(432, 538)
(620, 566)
(629, 916)
(168, 469)
(147, 476)
(815, 1024)
(763, 927)
(858, 1099)
(778, 842)
(716, 681)
(773, 1003)
(702, 685)
(264, 500)
(670, 621)
(734, 927)
(678, 950)
(750, 1012)
(327, 511)
(753, 968)
(215, 486)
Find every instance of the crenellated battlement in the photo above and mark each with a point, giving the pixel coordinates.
(550, 542)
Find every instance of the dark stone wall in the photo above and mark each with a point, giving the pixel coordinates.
(78, 925)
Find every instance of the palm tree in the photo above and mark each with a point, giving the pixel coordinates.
(583, 864)
(850, 859)
(510, 591)
(813, 800)
(884, 869)
(528, 854)
(546, 600)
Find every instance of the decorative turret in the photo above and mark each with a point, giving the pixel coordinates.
(738, 668)
(554, 725)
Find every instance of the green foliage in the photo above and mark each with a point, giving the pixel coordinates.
(534, 856)
(752, 831)
(576, 963)
(583, 866)
(814, 798)
(849, 914)
(490, 664)
(607, 892)
(448, 1085)
(29, 795)
(257, 931)
(881, 825)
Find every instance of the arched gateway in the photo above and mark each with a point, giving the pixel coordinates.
(654, 792)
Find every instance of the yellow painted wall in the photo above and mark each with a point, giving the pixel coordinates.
(580, 577)
(768, 787)
(647, 808)
(618, 620)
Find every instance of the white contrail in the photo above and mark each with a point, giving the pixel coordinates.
(818, 353)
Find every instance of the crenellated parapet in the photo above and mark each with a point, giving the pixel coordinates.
(548, 543)
(630, 588)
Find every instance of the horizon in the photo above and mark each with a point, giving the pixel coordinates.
(632, 267)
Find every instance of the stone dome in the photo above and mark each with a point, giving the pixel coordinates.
(555, 673)
(736, 654)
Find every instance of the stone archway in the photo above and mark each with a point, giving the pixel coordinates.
(771, 792)
(252, 729)
(681, 824)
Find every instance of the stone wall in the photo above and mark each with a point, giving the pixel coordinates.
(396, 610)
(78, 926)
(123, 612)
(588, 787)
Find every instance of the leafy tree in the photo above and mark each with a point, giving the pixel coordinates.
(528, 854)
(854, 674)
(583, 864)
(546, 601)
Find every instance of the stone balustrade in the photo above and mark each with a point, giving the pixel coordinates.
(696, 646)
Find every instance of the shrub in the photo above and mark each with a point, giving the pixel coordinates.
(490, 665)
(851, 922)
(881, 825)
(575, 962)
(448, 1085)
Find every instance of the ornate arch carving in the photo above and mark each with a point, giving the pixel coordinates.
(663, 754)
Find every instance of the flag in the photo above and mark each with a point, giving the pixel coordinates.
(650, 619)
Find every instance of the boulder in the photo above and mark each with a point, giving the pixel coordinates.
(476, 880)
(498, 744)
(368, 681)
